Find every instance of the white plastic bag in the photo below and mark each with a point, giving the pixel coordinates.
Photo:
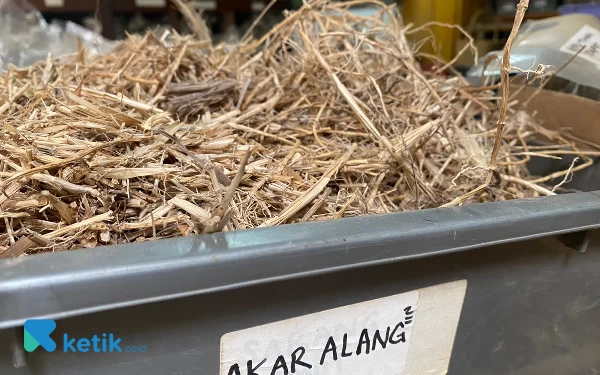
(25, 37)
(552, 41)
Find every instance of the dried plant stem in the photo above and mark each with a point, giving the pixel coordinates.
(349, 97)
(548, 79)
(19, 247)
(505, 83)
(10, 190)
(529, 184)
(568, 175)
(70, 187)
(80, 225)
(318, 203)
(328, 115)
(79, 156)
(193, 19)
(563, 173)
(220, 210)
(312, 193)
(257, 20)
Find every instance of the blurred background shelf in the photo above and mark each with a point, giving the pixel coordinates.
(489, 21)
(160, 11)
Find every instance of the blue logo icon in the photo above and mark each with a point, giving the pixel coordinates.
(37, 333)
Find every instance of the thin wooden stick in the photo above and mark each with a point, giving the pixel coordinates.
(82, 224)
(505, 83)
(222, 207)
(248, 32)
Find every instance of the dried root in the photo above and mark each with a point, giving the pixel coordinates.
(328, 115)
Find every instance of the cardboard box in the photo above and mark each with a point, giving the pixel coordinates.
(565, 112)
(568, 114)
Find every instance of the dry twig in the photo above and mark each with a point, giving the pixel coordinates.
(505, 83)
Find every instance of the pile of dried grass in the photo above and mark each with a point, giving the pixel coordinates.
(328, 115)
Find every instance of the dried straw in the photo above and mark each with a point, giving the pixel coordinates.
(329, 115)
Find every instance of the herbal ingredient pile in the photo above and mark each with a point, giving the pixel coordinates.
(328, 115)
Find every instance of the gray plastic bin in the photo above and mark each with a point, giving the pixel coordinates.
(532, 302)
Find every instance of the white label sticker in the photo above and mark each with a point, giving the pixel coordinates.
(589, 37)
(372, 337)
